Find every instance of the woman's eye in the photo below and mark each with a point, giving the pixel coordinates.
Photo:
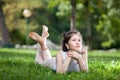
(73, 40)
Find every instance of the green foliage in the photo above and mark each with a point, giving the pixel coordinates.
(40, 15)
(15, 34)
(107, 22)
(104, 27)
(18, 64)
(104, 18)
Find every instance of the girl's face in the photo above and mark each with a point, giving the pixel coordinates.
(75, 43)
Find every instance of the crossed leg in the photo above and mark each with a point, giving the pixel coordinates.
(43, 52)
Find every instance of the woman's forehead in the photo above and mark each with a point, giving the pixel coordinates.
(75, 36)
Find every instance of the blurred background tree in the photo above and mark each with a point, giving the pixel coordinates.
(97, 20)
(4, 33)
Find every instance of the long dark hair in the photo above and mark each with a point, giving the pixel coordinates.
(66, 38)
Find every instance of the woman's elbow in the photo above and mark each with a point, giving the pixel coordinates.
(57, 71)
(60, 71)
(85, 69)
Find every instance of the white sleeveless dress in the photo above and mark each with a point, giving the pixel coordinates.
(51, 62)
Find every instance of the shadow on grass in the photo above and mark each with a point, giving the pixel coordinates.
(18, 70)
(9, 54)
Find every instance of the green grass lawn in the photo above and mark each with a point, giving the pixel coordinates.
(18, 64)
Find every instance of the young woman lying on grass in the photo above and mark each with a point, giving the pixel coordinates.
(72, 57)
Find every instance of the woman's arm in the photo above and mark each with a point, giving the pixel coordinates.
(82, 64)
(80, 60)
(61, 67)
(84, 54)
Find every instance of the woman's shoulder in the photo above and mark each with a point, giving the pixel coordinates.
(61, 52)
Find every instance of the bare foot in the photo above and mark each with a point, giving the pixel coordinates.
(45, 33)
(36, 37)
(39, 39)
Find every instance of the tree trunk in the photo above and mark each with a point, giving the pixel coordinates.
(73, 17)
(88, 23)
(4, 34)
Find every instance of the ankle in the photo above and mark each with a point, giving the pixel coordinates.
(44, 47)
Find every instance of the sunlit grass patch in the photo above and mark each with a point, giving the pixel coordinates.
(18, 64)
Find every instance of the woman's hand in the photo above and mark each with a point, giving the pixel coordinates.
(84, 50)
(74, 54)
(78, 57)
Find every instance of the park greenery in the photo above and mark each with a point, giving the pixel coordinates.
(97, 20)
(18, 64)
